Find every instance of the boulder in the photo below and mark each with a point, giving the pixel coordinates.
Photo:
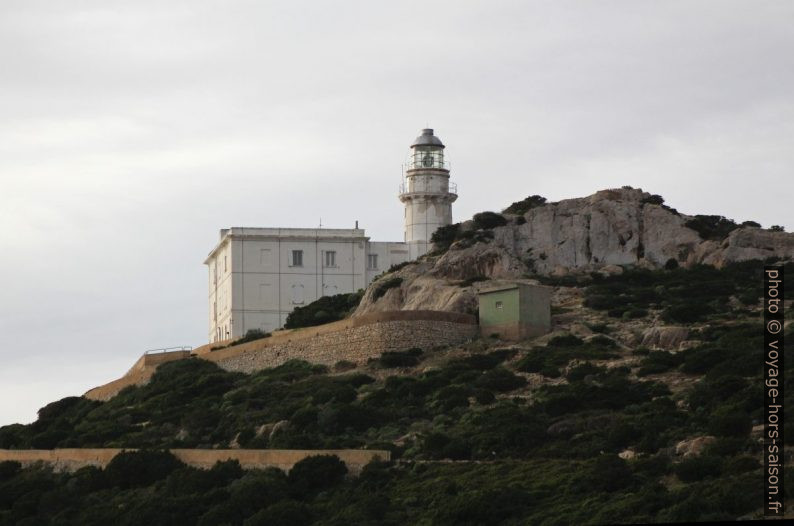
(693, 447)
(667, 338)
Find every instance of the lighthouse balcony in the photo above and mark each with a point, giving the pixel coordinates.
(421, 188)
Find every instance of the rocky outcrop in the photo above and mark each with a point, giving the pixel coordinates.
(667, 338)
(597, 233)
(693, 447)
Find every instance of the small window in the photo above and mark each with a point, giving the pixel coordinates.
(499, 305)
(297, 258)
(372, 261)
(225, 264)
(330, 258)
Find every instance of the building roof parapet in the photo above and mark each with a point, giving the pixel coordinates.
(305, 234)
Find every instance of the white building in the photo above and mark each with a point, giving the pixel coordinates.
(258, 275)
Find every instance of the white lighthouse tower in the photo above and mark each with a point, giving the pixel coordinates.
(427, 193)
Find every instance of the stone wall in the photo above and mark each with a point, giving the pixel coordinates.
(353, 339)
(359, 340)
(73, 459)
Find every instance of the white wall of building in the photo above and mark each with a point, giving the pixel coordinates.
(256, 279)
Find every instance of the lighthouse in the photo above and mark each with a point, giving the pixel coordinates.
(426, 192)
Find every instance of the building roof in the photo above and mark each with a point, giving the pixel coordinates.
(427, 139)
(508, 286)
(499, 289)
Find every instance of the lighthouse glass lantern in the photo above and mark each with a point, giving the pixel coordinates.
(427, 152)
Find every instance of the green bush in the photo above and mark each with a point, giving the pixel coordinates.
(488, 220)
(693, 469)
(383, 285)
(565, 340)
(525, 205)
(654, 199)
(316, 473)
(323, 310)
(251, 335)
(400, 358)
(714, 228)
(659, 362)
(131, 469)
(444, 236)
(283, 513)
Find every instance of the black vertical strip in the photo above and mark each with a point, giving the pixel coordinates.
(773, 391)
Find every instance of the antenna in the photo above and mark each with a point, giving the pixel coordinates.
(321, 223)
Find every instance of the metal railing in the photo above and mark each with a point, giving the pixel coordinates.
(452, 188)
(170, 349)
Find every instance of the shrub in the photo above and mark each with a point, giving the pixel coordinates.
(130, 469)
(740, 464)
(714, 228)
(549, 371)
(565, 340)
(525, 205)
(671, 264)
(484, 397)
(500, 380)
(751, 223)
(686, 313)
(344, 365)
(398, 266)
(488, 220)
(382, 286)
(323, 310)
(728, 422)
(654, 199)
(9, 468)
(315, 473)
(578, 373)
(251, 335)
(400, 358)
(444, 236)
(698, 468)
(776, 228)
(283, 513)
(658, 362)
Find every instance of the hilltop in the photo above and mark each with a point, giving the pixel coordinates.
(642, 405)
(601, 232)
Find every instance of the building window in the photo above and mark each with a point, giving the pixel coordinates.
(297, 258)
(499, 305)
(225, 264)
(372, 261)
(330, 258)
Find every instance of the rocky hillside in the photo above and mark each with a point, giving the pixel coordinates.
(642, 406)
(532, 239)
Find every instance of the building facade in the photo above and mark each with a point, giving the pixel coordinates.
(257, 276)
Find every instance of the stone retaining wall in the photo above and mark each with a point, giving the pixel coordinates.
(73, 459)
(356, 343)
(353, 339)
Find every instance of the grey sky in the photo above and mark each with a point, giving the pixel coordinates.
(130, 132)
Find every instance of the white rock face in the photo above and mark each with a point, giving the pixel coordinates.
(595, 233)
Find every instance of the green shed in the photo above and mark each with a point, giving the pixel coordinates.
(516, 311)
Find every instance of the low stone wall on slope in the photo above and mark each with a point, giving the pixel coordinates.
(74, 459)
(355, 340)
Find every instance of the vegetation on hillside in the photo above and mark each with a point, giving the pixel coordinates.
(544, 454)
(324, 310)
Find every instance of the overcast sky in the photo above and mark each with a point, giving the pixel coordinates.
(131, 132)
